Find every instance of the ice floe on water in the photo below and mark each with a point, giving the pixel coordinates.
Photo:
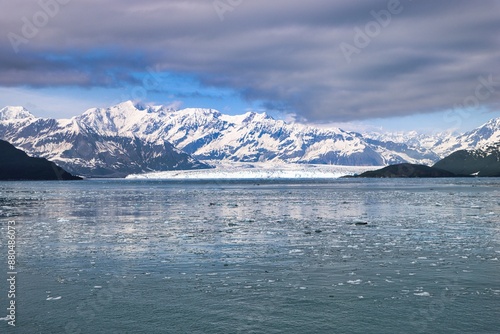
(422, 294)
(54, 298)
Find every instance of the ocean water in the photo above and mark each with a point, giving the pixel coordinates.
(339, 256)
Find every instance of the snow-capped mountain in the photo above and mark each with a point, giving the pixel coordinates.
(130, 138)
(425, 141)
(14, 114)
(445, 143)
(207, 134)
(481, 138)
(84, 148)
(258, 137)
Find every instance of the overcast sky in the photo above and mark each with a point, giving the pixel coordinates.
(325, 61)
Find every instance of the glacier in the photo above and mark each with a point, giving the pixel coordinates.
(247, 171)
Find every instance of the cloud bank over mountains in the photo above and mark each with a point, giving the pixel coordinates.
(324, 60)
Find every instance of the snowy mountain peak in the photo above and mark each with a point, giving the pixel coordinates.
(200, 112)
(482, 137)
(14, 113)
(493, 122)
(116, 119)
(160, 110)
(122, 109)
(492, 126)
(486, 135)
(253, 116)
(196, 116)
(128, 105)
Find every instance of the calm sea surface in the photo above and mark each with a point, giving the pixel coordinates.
(344, 256)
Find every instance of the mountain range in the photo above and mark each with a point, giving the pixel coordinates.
(87, 149)
(132, 138)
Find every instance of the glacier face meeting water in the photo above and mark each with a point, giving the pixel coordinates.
(338, 256)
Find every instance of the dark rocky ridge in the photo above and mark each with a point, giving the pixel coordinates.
(17, 165)
(407, 170)
(473, 162)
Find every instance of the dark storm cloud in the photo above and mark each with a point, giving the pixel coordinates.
(426, 57)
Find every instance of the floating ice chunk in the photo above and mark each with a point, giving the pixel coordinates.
(423, 294)
(54, 298)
